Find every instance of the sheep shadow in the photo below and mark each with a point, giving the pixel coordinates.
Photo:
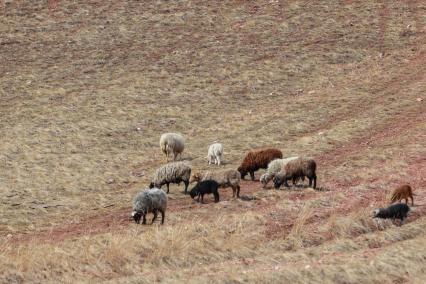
(297, 187)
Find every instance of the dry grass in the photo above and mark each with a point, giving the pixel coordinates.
(334, 80)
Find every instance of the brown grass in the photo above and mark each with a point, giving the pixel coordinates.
(335, 80)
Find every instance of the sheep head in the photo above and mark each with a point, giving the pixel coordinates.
(137, 216)
(278, 181)
(193, 193)
(242, 171)
(376, 213)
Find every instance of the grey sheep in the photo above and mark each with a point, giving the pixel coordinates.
(172, 143)
(174, 172)
(152, 200)
(225, 178)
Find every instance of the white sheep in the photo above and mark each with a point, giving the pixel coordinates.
(274, 167)
(172, 143)
(214, 154)
(174, 172)
(152, 200)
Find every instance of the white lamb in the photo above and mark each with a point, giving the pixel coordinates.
(214, 154)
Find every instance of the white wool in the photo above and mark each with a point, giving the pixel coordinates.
(214, 153)
(172, 143)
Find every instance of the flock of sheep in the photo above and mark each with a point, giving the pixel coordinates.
(279, 170)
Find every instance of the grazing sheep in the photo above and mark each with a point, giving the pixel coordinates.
(403, 192)
(298, 168)
(274, 167)
(174, 172)
(255, 160)
(225, 178)
(205, 187)
(214, 154)
(152, 200)
(172, 143)
(394, 211)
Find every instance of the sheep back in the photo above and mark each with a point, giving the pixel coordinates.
(224, 178)
(402, 192)
(300, 167)
(394, 211)
(205, 187)
(295, 169)
(255, 160)
(172, 143)
(149, 200)
(215, 149)
(174, 172)
(274, 167)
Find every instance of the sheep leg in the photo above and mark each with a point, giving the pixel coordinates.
(144, 219)
(198, 199)
(202, 198)
(315, 181)
(216, 196)
(412, 201)
(310, 181)
(163, 215)
(167, 187)
(234, 191)
(155, 216)
(218, 161)
(186, 182)
(252, 176)
(238, 191)
(285, 183)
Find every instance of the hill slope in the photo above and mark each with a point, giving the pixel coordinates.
(87, 89)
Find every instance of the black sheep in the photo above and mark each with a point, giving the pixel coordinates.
(394, 211)
(205, 187)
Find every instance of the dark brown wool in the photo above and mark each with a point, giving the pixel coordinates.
(255, 160)
(402, 192)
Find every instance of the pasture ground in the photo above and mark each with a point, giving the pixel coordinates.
(87, 88)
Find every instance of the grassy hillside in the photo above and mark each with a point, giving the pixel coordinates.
(88, 87)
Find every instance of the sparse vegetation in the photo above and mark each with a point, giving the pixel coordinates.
(87, 88)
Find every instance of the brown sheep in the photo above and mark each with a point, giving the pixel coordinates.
(225, 178)
(402, 192)
(260, 159)
(295, 169)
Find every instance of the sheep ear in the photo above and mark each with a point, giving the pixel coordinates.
(133, 213)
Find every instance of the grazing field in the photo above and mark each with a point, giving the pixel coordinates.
(88, 87)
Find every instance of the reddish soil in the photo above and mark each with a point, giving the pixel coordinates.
(398, 127)
(279, 222)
